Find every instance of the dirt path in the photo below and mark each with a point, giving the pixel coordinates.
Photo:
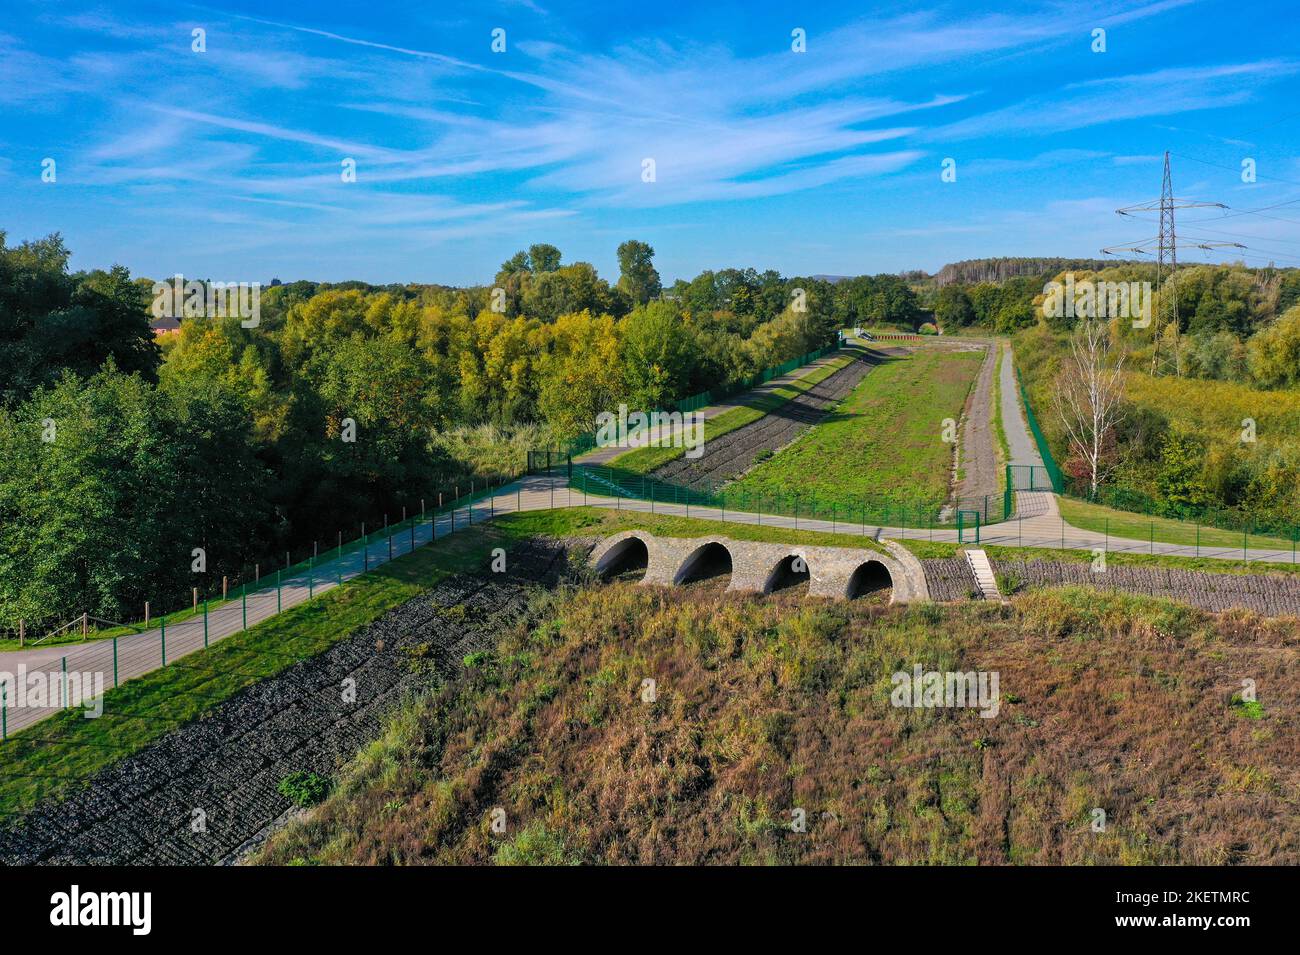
(228, 764)
(734, 453)
(978, 458)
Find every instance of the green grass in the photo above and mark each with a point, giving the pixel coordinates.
(754, 405)
(43, 760)
(600, 522)
(933, 550)
(884, 440)
(1144, 527)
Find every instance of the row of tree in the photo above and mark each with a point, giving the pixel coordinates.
(119, 455)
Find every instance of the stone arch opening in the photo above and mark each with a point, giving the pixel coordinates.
(711, 562)
(869, 578)
(791, 573)
(626, 560)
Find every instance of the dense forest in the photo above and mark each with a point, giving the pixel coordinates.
(120, 453)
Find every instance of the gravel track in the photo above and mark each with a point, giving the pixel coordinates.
(731, 455)
(229, 762)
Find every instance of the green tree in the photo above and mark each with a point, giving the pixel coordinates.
(51, 321)
(657, 355)
(1179, 479)
(1274, 351)
(543, 257)
(637, 275)
(953, 308)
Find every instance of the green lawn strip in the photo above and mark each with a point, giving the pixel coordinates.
(884, 440)
(1142, 527)
(755, 405)
(927, 550)
(73, 746)
(600, 522)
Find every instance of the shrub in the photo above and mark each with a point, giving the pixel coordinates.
(304, 789)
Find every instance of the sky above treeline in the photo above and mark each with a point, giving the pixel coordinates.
(230, 162)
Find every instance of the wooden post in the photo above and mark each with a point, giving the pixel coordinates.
(196, 597)
(22, 632)
(257, 573)
(146, 613)
(85, 621)
(225, 586)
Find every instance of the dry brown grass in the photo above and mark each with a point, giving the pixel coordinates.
(764, 705)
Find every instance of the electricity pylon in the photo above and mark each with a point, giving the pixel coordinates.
(1166, 315)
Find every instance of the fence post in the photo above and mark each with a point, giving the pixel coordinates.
(243, 597)
(277, 591)
(63, 690)
(146, 614)
(1198, 540)
(4, 711)
(205, 623)
(162, 639)
(22, 633)
(115, 662)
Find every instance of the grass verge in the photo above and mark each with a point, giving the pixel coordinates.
(1144, 527)
(599, 521)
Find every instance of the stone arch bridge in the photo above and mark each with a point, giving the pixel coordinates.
(761, 567)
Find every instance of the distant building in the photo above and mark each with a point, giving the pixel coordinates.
(165, 326)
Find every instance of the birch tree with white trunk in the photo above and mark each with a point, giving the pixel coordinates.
(1089, 397)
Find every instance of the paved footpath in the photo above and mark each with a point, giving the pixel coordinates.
(1039, 525)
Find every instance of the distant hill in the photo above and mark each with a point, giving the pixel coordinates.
(974, 271)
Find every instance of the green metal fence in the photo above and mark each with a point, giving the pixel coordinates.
(606, 481)
(1053, 472)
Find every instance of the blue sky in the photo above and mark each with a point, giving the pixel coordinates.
(226, 163)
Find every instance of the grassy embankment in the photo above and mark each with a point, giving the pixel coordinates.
(1144, 527)
(42, 760)
(884, 440)
(752, 406)
(764, 707)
